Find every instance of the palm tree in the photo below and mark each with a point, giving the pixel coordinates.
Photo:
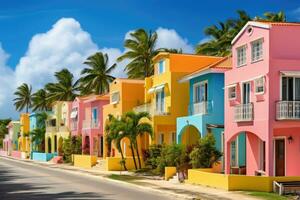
(96, 77)
(24, 97)
(222, 34)
(114, 134)
(39, 100)
(137, 128)
(37, 138)
(65, 89)
(141, 50)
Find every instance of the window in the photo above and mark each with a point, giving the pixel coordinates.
(95, 114)
(200, 92)
(259, 85)
(173, 137)
(161, 138)
(115, 98)
(160, 101)
(290, 89)
(241, 56)
(161, 67)
(262, 155)
(232, 92)
(256, 50)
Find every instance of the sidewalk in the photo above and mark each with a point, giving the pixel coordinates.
(181, 191)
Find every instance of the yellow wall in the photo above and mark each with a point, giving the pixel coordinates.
(24, 144)
(206, 177)
(84, 161)
(113, 163)
(131, 95)
(25, 123)
(169, 172)
(176, 94)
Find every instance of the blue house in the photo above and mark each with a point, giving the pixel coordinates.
(206, 106)
(35, 122)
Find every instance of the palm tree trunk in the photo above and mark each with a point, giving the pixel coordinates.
(133, 155)
(124, 164)
(138, 155)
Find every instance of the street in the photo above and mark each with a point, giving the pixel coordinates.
(22, 181)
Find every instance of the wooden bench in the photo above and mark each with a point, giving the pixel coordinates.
(286, 187)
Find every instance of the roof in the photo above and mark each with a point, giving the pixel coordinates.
(263, 24)
(222, 65)
(167, 54)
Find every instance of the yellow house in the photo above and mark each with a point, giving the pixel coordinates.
(166, 98)
(125, 94)
(24, 140)
(57, 126)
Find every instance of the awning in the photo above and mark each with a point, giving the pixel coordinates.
(231, 85)
(74, 114)
(156, 88)
(290, 73)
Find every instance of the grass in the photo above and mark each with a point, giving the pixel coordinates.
(126, 178)
(268, 196)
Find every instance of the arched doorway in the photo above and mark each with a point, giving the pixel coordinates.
(189, 135)
(49, 145)
(60, 145)
(86, 146)
(55, 143)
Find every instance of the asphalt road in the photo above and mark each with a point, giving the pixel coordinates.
(22, 181)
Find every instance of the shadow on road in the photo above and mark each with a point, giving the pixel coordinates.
(11, 190)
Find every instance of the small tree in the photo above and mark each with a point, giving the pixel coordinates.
(205, 153)
(67, 150)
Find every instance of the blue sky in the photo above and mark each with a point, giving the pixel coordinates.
(39, 37)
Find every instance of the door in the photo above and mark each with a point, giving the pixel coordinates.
(246, 93)
(280, 157)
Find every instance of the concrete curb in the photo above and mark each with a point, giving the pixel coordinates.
(86, 173)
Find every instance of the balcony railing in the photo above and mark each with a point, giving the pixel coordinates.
(50, 128)
(288, 110)
(88, 124)
(201, 108)
(243, 112)
(150, 108)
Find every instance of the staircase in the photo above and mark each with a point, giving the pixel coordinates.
(101, 164)
(174, 179)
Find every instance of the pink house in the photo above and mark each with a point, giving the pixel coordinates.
(262, 100)
(86, 120)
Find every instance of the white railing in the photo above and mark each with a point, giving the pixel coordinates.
(148, 107)
(87, 124)
(199, 108)
(63, 129)
(243, 112)
(288, 110)
(50, 128)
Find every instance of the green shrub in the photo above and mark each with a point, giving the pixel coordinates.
(151, 156)
(71, 145)
(205, 154)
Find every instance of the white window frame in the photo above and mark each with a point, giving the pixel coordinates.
(294, 85)
(160, 106)
(238, 58)
(253, 54)
(243, 92)
(236, 163)
(194, 90)
(163, 67)
(118, 98)
(229, 92)
(256, 83)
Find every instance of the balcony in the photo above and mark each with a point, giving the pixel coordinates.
(288, 110)
(63, 129)
(90, 124)
(243, 112)
(149, 108)
(51, 128)
(200, 108)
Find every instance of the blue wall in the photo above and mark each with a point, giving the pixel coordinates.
(216, 112)
(42, 156)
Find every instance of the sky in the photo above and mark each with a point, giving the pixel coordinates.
(40, 37)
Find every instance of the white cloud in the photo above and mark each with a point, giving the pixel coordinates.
(169, 38)
(64, 45)
(204, 40)
(295, 13)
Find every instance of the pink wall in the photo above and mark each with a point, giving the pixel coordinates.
(77, 103)
(16, 154)
(281, 47)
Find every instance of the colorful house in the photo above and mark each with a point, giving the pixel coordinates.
(92, 124)
(10, 142)
(35, 123)
(262, 99)
(166, 98)
(57, 126)
(24, 140)
(206, 108)
(125, 94)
